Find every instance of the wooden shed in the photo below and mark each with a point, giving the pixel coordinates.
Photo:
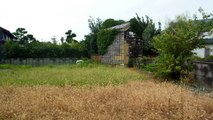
(120, 50)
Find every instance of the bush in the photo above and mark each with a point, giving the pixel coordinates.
(166, 66)
(43, 50)
(131, 62)
(209, 58)
(146, 61)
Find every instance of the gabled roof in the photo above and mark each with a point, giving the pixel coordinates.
(121, 27)
(7, 33)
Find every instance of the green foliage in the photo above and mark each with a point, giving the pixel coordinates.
(22, 37)
(88, 63)
(105, 38)
(146, 60)
(9, 66)
(195, 58)
(209, 58)
(138, 25)
(91, 43)
(131, 62)
(180, 37)
(70, 36)
(166, 66)
(111, 22)
(176, 43)
(145, 30)
(44, 50)
(26, 46)
(91, 38)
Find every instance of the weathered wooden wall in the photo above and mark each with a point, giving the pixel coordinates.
(203, 72)
(38, 61)
(117, 52)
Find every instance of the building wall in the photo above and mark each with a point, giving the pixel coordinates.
(117, 52)
(201, 51)
(203, 72)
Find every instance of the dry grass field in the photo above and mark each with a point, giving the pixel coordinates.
(133, 100)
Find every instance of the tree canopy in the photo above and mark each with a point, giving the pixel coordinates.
(145, 30)
(22, 37)
(111, 22)
(70, 36)
(26, 46)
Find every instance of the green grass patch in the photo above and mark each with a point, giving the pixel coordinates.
(62, 75)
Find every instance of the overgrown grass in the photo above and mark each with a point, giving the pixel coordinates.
(35, 93)
(84, 74)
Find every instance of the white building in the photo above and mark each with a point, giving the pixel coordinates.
(208, 49)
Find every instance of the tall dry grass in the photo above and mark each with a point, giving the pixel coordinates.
(136, 100)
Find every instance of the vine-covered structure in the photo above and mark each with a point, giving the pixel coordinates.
(125, 45)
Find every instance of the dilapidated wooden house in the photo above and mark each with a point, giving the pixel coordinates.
(124, 46)
(4, 35)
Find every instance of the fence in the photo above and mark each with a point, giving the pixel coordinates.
(203, 73)
(38, 61)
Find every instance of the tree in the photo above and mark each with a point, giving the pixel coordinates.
(145, 30)
(22, 37)
(70, 36)
(20, 33)
(91, 38)
(62, 40)
(176, 43)
(147, 37)
(111, 22)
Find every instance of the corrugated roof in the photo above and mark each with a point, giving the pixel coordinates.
(7, 32)
(122, 27)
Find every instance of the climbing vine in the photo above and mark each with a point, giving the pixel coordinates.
(105, 38)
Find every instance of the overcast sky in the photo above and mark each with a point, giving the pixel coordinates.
(47, 18)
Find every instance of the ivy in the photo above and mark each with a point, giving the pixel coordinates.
(105, 38)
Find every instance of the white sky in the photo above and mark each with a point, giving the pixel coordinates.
(47, 18)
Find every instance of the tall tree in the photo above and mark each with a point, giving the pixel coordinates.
(70, 36)
(145, 30)
(22, 37)
(91, 38)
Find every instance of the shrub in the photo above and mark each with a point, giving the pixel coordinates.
(209, 58)
(131, 62)
(43, 49)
